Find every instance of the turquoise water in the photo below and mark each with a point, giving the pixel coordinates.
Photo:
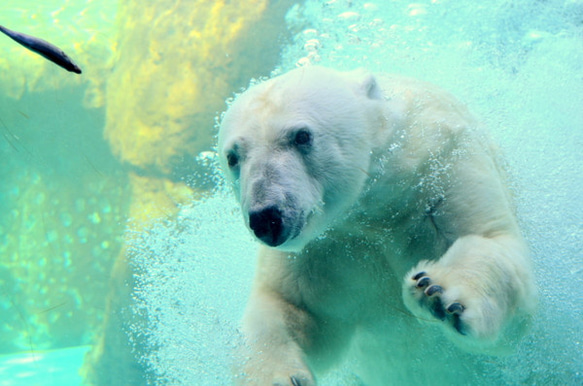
(517, 64)
(56, 367)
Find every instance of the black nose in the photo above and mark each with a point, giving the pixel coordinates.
(267, 225)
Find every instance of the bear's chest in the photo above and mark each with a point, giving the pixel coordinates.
(356, 271)
(342, 280)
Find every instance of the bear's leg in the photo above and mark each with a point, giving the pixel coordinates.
(273, 330)
(477, 287)
(286, 344)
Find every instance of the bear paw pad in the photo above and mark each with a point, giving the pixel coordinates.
(430, 297)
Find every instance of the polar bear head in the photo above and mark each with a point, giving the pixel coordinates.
(297, 149)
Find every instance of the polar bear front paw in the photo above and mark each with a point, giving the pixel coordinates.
(275, 374)
(295, 380)
(432, 297)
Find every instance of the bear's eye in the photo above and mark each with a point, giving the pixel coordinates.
(232, 159)
(303, 137)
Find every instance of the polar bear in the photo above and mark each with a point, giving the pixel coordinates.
(366, 193)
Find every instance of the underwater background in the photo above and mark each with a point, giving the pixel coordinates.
(116, 233)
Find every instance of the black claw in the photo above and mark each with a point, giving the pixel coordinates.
(455, 308)
(418, 275)
(437, 309)
(295, 381)
(423, 282)
(458, 325)
(432, 290)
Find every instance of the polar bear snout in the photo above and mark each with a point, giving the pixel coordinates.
(267, 224)
(277, 225)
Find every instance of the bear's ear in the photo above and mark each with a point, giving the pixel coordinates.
(367, 84)
(371, 87)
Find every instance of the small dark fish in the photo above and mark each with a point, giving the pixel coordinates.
(43, 48)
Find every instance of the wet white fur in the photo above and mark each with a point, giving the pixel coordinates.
(399, 180)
